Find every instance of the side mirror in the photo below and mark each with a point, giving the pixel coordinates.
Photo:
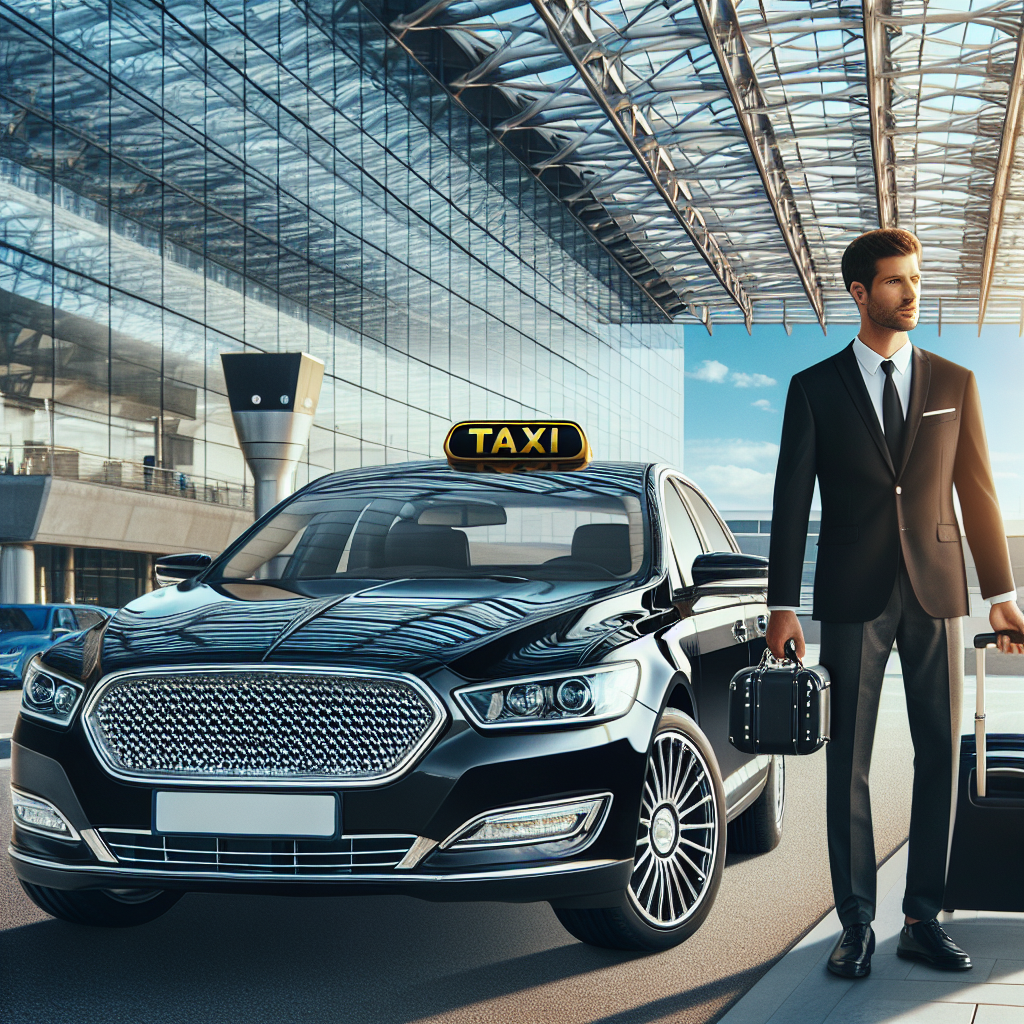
(58, 631)
(729, 572)
(176, 568)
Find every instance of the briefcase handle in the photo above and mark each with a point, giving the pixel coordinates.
(981, 642)
(790, 650)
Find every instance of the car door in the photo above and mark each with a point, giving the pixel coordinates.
(719, 620)
(752, 619)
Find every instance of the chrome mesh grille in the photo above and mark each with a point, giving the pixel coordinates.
(234, 855)
(259, 724)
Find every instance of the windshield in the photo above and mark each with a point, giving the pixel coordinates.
(22, 620)
(444, 528)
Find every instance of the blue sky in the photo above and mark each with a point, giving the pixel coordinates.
(736, 390)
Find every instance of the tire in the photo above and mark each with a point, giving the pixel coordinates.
(104, 908)
(670, 893)
(759, 828)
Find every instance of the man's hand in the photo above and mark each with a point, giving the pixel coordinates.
(1005, 615)
(783, 626)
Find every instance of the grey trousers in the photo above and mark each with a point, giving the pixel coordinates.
(855, 654)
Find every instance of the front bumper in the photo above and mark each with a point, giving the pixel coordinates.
(594, 882)
(463, 776)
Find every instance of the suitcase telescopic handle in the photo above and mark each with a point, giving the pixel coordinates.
(981, 642)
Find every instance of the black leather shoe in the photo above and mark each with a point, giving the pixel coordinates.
(852, 956)
(927, 943)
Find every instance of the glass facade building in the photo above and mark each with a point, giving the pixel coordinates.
(182, 181)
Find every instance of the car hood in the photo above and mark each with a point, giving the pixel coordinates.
(480, 627)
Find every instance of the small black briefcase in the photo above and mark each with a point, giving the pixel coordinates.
(986, 857)
(779, 707)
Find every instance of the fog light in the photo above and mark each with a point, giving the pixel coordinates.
(542, 823)
(40, 816)
(40, 690)
(525, 699)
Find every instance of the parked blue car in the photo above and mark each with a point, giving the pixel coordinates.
(27, 629)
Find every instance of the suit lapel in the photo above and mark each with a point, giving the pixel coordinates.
(919, 384)
(849, 370)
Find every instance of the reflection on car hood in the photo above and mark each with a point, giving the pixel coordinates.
(410, 625)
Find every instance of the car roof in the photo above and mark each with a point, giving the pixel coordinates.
(615, 476)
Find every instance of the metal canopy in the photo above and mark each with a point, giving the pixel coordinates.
(740, 144)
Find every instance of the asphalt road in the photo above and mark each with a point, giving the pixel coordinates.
(394, 960)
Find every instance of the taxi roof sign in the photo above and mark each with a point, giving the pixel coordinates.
(506, 445)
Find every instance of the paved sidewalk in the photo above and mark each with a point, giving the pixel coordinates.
(799, 989)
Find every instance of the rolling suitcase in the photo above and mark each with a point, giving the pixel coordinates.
(779, 707)
(986, 859)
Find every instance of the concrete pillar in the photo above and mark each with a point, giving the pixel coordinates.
(17, 574)
(69, 576)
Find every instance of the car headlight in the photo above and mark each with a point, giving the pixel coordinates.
(11, 652)
(563, 698)
(48, 695)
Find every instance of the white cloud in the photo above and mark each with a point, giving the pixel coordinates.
(711, 370)
(753, 380)
(735, 451)
(764, 405)
(736, 486)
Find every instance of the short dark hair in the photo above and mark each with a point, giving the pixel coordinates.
(863, 253)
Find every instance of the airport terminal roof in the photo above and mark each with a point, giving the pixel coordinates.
(730, 149)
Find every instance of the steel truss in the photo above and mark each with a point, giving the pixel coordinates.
(740, 144)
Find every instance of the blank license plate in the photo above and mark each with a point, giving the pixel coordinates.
(247, 814)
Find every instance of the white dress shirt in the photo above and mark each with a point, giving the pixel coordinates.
(870, 363)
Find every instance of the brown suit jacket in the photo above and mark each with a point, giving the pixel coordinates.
(871, 509)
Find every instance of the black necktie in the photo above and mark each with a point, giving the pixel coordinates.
(892, 415)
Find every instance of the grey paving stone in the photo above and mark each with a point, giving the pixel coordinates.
(895, 1011)
(949, 992)
(981, 972)
(1007, 972)
(998, 1015)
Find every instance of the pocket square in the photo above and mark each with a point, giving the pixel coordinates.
(936, 412)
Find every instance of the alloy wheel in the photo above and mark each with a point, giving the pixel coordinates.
(678, 835)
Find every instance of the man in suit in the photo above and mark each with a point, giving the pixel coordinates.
(888, 430)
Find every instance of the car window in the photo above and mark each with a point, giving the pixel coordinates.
(87, 617)
(65, 620)
(21, 620)
(552, 527)
(718, 539)
(685, 541)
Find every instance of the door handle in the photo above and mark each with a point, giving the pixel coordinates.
(739, 631)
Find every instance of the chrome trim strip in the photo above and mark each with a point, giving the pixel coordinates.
(99, 848)
(336, 782)
(417, 852)
(589, 823)
(559, 868)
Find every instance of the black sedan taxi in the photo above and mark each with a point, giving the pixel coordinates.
(509, 684)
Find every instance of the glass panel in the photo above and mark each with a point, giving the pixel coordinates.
(685, 541)
(709, 521)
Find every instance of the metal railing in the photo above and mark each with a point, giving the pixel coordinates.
(72, 464)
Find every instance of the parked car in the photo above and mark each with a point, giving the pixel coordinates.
(418, 680)
(28, 629)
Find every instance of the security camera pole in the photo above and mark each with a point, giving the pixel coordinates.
(273, 398)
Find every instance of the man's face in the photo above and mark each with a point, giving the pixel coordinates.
(892, 301)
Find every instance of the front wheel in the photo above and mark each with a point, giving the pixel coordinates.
(105, 908)
(680, 848)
